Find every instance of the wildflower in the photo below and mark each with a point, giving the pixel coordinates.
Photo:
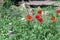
(58, 10)
(38, 18)
(10, 23)
(23, 19)
(28, 17)
(39, 11)
(10, 32)
(44, 13)
(52, 18)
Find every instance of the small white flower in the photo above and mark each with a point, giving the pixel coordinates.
(44, 13)
(10, 32)
(10, 23)
(23, 19)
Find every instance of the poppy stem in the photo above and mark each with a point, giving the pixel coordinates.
(28, 22)
(30, 27)
(56, 14)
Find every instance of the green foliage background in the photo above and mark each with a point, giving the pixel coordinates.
(25, 30)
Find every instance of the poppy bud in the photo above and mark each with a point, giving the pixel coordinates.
(38, 18)
(52, 18)
(39, 11)
(58, 10)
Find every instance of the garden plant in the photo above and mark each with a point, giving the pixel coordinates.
(19, 24)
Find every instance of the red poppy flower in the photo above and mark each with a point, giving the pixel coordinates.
(38, 18)
(52, 18)
(58, 10)
(28, 17)
(39, 11)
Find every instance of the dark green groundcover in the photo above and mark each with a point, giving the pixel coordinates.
(14, 26)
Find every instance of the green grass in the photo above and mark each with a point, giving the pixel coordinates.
(28, 30)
